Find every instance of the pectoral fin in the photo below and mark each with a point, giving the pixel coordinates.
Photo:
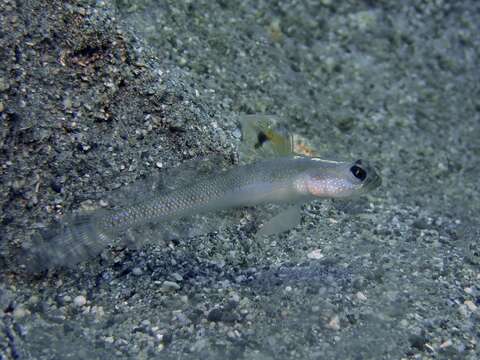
(281, 222)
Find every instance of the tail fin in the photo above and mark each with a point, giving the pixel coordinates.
(76, 240)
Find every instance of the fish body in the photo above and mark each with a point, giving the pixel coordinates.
(289, 179)
(281, 180)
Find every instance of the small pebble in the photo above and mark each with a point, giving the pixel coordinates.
(146, 323)
(34, 299)
(462, 309)
(235, 297)
(6, 297)
(215, 315)
(137, 271)
(446, 344)
(334, 323)
(361, 296)
(98, 312)
(181, 318)
(470, 305)
(79, 301)
(20, 312)
(315, 254)
(169, 286)
(468, 290)
(177, 276)
(418, 341)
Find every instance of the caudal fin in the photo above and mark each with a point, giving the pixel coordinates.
(76, 240)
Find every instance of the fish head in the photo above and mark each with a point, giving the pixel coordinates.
(340, 179)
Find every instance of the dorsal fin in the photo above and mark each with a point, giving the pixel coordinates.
(263, 138)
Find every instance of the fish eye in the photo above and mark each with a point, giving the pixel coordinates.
(262, 138)
(358, 172)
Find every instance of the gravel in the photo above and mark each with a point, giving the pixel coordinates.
(95, 95)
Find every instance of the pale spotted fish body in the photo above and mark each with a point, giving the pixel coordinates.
(288, 178)
(292, 179)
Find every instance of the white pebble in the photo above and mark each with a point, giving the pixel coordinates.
(470, 305)
(109, 339)
(79, 301)
(446, 344)
(315, 254)
(334, 323)
(361, 296)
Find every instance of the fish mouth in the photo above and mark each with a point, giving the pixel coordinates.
(372, 182)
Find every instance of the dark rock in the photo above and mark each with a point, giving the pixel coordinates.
(215, 315)
(418, 341)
